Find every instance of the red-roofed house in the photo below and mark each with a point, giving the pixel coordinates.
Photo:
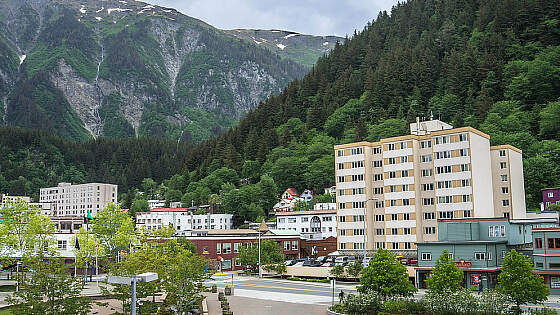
(290, 193)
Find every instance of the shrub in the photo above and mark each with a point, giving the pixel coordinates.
(364, 303)
(543, 311)
(338, 308)
(394, 307)
(493, 302)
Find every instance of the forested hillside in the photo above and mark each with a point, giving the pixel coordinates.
(493, 65)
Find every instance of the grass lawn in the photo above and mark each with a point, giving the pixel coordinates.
(5, 312)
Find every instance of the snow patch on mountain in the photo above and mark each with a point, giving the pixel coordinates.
(290, 35)
(281, 46)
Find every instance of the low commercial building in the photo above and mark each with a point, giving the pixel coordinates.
(478, 246)
(550, 196)
(546, 256)
(183, 220)
(312, 224)
(222, 247)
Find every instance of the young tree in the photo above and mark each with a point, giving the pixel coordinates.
(337, 271)
(446, 277)
(386, 276)
(85, 255)
(271, 255)
(138, 205)
(354, 269)
(518, 281)
(50, 290)
(114, 229)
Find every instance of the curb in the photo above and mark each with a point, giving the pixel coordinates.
(329, 312)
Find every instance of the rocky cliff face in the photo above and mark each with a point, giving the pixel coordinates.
(126, 68)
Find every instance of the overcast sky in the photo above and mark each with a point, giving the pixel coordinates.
(317, 17)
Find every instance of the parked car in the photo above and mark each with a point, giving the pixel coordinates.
(322, 259)
(298, 264)
(341, 260)
(404, 261)
(307, 263)
(250, 269)
(316, 263)
(290, 262)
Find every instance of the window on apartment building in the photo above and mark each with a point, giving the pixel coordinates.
(358, 245)
(497, 231)
(286, 245)
(376, 150)
(354, 151)
(430, 230)
(443, 169)
(553, 242)
(445, 199)
(358, 204)
(394, 231)
(236, 247)
(341, 192)
(406, 231)
(467, 213)
(292, 220)
(62, 244)
(378, 204)
(506, 215)
(341, 179)
(379, 217)
(426, 144)
(406, 202)
(442, 139)
(464, 152)
(358, 177)
(465, 182)
(428, 201)
(378, 190)
(502, 152)
(405, 187)
(359, 232)
(407, 245)
(428, 187)
(465, 167)
(327, 219)
(391, 146)
(505, 190)
(358, 191)
(426, 158)
(538, 242)
(226, 248)
(466, 198)
(358, 218)
(342, 218)
(342, 232)
(427, 172)
(395, 245)
(503, 165)
(392, 174)
(218, 248)
(444, 184)
(403, 145)
(505, 203)
(391, 160)
(445, 214)
(392, 188)
(404, 173)
(406, 216)
(429, 215)
(377, 163)
(340, 152)
(443, 155)
(357, 164)
(426, 256)
(341, 205)
(394, 216)
(379, 231)
(304, 219)
(462, 137)
(340, 166)
(377, 177)
(393, 203)
(379, 245)
(404, 159)
(342, 245)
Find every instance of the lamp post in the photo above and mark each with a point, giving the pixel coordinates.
(365, 229)
(144, 277)
(262, 228)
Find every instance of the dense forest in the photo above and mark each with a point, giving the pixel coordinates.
(493, 65)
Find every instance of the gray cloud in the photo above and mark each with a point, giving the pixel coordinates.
(318, 17)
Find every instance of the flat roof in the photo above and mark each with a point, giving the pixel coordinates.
(306, 212)
(461, 242)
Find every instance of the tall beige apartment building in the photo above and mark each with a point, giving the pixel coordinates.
(76, 200)
(393, 191)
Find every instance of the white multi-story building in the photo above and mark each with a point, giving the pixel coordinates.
(7, 198)
(311, 224)
(77, 200)
(183, 220)
(407, 183)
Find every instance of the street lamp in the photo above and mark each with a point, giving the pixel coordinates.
(365, 229)
(262, 228)
(144, 277)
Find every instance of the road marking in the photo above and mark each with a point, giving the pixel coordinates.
(283, 288)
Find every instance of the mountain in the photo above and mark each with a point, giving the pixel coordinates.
(303, 49)
(126, 68)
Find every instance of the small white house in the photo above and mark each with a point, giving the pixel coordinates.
(307, 195)
(311, 224)
(183, 220)
(156, 203)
